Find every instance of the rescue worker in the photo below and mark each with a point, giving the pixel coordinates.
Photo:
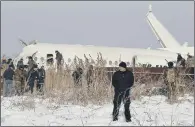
(20, 63)
(170, 76)
(19, 80)
(122, 81)
(77, 76)
(32, 77)
(59, 58)
(8, 81)
(41, 79)
(89, 76)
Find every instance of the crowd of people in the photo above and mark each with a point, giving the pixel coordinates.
(24, 77)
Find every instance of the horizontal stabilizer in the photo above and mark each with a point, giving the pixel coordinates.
(185, 44)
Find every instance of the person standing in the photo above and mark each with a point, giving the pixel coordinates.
(59, 58)
(41, 79)
(122, 81)
(170, 76)
(30, 63)
(19, 80)
(20, 63)
(8, 81)
(32, 77)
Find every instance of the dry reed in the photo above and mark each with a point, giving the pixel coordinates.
(60, 87)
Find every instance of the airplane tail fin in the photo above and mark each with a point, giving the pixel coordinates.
(162, 34)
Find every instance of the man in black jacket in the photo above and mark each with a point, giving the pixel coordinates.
(122, 81)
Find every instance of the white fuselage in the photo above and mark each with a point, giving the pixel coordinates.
(112, 55)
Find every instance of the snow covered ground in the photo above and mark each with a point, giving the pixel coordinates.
(149, 111)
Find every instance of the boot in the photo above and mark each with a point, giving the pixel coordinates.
(128, 120)
(115, 119)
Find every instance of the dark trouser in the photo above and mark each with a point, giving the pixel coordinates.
(59, 64)
(118, 98)
(31, 86)
(40, 86)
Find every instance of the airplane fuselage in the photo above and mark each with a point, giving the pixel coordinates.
(111, 55)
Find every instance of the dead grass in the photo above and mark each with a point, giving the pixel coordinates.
(60, 88)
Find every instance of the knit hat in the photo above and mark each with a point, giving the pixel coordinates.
(123, 64)
(170, 64)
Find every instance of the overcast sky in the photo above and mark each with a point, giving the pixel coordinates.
(109, 23)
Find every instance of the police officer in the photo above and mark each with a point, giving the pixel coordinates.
(122, 81)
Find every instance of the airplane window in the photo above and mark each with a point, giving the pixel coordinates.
(50, 59)
(42, 59)
(116, 62)
(110, 62)
(35, 59)
(128, 63)
(69, 60)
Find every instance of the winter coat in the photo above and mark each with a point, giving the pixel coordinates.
(8, 74)
(58, 57)
(33, 75)
(41, 73)
(170, 75)
(122, 81)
